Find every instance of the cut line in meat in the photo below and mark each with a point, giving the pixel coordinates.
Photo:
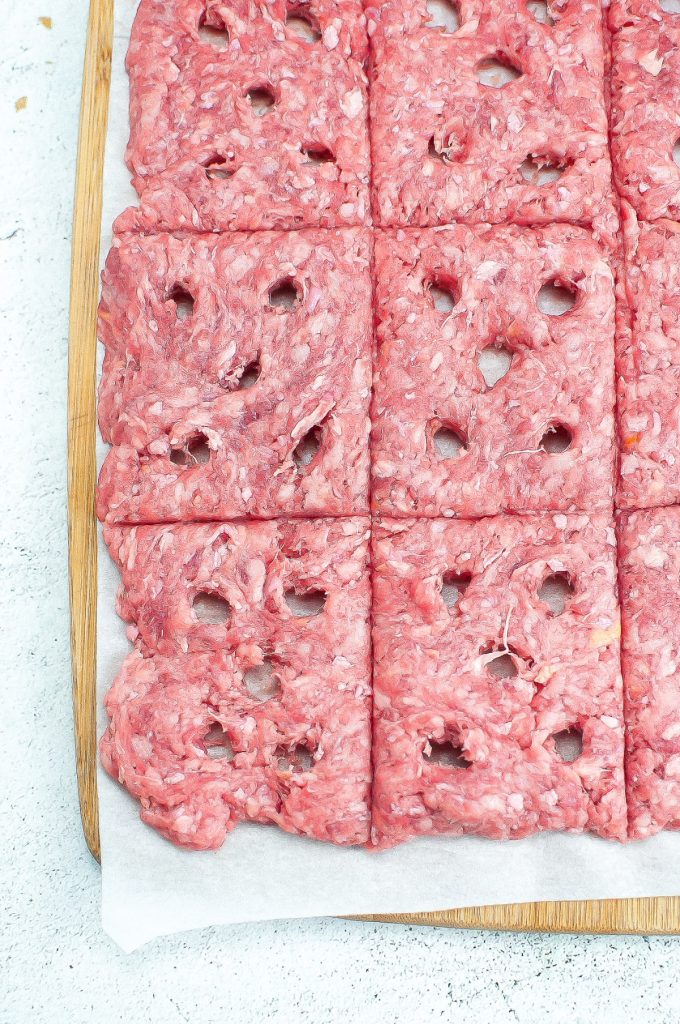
(650, 604)
(501, 120)
(264, 717)
(241, 119)
(540, 438)
(255, 401)
(499, 716)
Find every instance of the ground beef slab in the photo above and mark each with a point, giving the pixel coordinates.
(284, 696)
(448, 147)
(483, 692)
(270, 131)
(649, 572)
(645, 120)
(446, 443)
(220, 404)
(648, 367)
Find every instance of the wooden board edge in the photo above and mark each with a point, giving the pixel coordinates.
(82, 524)
(648, 916)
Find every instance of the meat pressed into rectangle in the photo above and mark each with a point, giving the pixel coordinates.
(650, 604)
(502, 119)
(459, 307)
(497, 689)
(644, 112)
(237, 376)
(648, 367)
(247, 116)
(248, 695)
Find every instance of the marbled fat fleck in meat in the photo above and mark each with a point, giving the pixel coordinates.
(648, 367)
(449, 146)
(447, 440)
(645, 118)
(280, 690)
(650, 606)
(266, 129)
(237, 376)
(497, 710)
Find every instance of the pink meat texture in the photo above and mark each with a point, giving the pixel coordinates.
(239, 122)
(482, 699)
(644, 115)
(649, 573)
(221, 404)
(648, 367)
(451, 146)
(429, 390)
(280, 690)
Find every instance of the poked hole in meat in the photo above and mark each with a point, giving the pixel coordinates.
(540, 170)
(494, 361)
(305, 604)
(242, 379)
(675, 152)
(448, 753)
(307, 449)
(318, 154)
(302, 23)
(296, 759)
(214, 32)
(454, 585)
(556, 439)
(261, 681)
(217, 169)
(442, 292)
(261, 99)
(556, 298)
(555, 591)
(500, 662)
(569, 744)
(497, 72)
(196, 452)
(285, 294)
(449, 442)
(217, 743)
(183, 300)
(444, 15)
(211, 609)
(541, 11)
(670, 6)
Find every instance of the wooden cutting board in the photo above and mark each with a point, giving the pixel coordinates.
(641, 916)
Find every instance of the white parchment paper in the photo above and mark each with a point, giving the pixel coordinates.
(151, 888)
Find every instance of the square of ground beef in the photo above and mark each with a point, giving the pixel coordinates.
(248, 696)
(501, 119)
(645, 84)
(648, 367)
(248, 116)
(237, 376)
(460, 307)
(497, 691)
(650, 605)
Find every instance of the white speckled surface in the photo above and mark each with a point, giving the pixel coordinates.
(56, 964)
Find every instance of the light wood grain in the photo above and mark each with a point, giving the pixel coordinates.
(82, 404)
(642, 916)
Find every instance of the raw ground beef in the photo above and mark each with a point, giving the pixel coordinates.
(270, 131)
(650, 597)
(280, 690)
(188, 325)
(645, 116)
(448, 146)
(648, 367)
(446, 443)
(494, 712)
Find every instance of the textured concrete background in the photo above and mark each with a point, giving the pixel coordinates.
(55, 964)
